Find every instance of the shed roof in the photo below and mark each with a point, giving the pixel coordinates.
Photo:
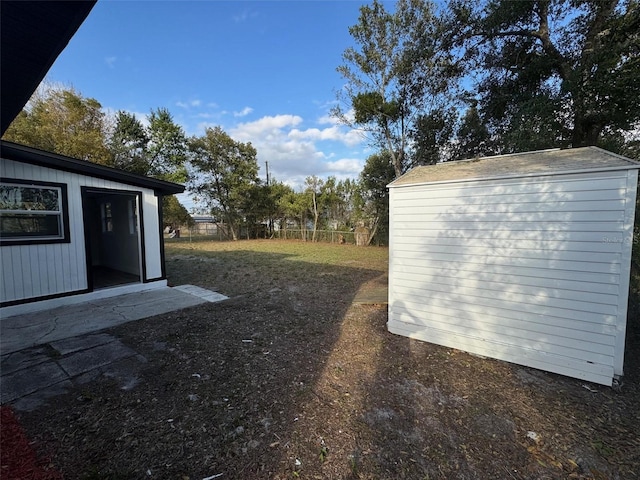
(544, 162)
(34, 156)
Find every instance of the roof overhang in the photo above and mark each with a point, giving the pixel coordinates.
(34, 156)
(33, 34)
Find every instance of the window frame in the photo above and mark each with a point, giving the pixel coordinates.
(63, 236)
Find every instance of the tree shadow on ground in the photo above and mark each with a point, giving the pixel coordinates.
(289, 379)
(224, 383)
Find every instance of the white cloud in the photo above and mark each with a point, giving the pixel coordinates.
(189, 104)
(336, 133)
(346, 165)
(293, 153)
(268, 128)
(244, 112)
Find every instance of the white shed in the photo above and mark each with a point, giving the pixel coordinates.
(70, 227)
(524, 258)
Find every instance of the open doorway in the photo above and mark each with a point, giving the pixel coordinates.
(113, 237)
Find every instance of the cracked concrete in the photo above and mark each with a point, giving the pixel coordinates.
(40, 327)
(31, 376)
(44, 353)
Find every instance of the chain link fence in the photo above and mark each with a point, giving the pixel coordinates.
(211, 231)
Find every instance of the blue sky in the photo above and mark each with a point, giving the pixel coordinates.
(264, 71)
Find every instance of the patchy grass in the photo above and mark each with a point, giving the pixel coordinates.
(289, 379)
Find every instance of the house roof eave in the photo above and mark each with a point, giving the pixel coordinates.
(34, 156)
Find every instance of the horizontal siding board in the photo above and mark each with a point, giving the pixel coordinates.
(426, 273)
(416, 243)
(535, 299)
(514, 237)
(460, 285)
(530, 267)
(505, 187)
(502, 312)
(478, 192)
(599, 332)
(511, 209)
(509, 334)
(544, 227)
(463, 252)
(560, 309)
(601, 374)
(475, 268)
(500, 259)
(535, 216)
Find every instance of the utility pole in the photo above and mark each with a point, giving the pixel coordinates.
(267, 165)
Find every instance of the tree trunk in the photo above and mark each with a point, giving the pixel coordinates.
(315, 217)
(373, 230)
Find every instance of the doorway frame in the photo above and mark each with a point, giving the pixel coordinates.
(91, 192)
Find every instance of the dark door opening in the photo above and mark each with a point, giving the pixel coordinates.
(112, 237)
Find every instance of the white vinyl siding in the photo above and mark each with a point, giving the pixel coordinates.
(31, 271)
(530, 270)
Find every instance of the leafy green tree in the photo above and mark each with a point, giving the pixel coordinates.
(225, 172)
(174, 214)
(552, 72)
(336, 198)
(158, 150)
(166, 148)
(347, 191)
(62, 121)
(278, 191)
(376, 175)
(128, 144)
(432, 134)
(473, 137)
(396, 73)
(293, 206)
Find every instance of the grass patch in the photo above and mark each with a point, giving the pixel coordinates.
(376, 258)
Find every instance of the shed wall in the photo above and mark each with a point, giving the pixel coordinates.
(533, 271)
(31, 271)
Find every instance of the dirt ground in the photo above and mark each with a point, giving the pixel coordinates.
(289, 379)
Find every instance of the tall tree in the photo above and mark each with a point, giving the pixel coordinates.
(61, 120)
(225, 172)
(313, 188)
(167, 147)
(432, 134)
(375, 177)
(472, 136)
(128, 144)
(395, 73)
(556, 72)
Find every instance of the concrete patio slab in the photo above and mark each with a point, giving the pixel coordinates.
(94, 357)
(46, 352)
(41, 327)
(34, 378)
(39, 373)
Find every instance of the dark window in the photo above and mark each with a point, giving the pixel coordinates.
(133, 216)
(107, 217)
(32, 212)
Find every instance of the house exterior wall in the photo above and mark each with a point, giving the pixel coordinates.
(534, 271)
(32, 271)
